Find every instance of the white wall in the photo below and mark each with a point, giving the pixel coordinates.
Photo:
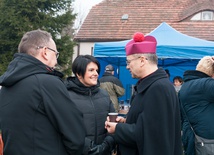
(84, 48)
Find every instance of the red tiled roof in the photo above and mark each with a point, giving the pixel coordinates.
(103, 23)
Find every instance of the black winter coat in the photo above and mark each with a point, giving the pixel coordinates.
(197, 99)
(153, 122)
(95, 104)
(37, 116)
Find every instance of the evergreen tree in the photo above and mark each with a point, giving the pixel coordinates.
(19, 16)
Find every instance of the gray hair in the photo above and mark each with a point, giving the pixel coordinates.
(32, 40)
(152, 58)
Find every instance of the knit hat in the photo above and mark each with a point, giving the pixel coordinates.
(109, 68)
(206, 65)
(140, 44)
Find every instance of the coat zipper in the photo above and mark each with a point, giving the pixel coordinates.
(95, 120)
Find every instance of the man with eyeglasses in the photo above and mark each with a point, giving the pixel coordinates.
(57, 53)
(152, 125)
(36, 113)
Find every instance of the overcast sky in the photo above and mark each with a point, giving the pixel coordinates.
(86, 4)
(82, 7)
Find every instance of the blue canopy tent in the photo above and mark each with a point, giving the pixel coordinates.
(176, 52)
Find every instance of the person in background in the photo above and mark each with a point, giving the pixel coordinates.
(177, 81)
(95, 104)
(152, 126)
(197, 99)
(167, 73)
(112, 85)
(36, 113)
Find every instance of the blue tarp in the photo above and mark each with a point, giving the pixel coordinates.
(176, 51)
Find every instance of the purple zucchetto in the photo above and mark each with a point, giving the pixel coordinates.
(140, 44)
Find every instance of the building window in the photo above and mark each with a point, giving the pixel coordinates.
(125, 17)
(204, 16)
(207, 15)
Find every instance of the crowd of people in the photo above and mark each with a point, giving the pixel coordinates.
(42, 114)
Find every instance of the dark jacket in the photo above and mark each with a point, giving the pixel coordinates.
(37, 116)
(113, 86)
(153, 122)
(197, 99)
(95, 105)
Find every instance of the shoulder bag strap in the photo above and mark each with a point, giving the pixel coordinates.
(187, 118)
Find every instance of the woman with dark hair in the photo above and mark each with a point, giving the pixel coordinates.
(94, 102)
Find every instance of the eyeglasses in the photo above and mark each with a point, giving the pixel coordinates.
(57, 53)
(129, 61)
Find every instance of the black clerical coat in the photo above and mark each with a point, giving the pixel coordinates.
(153, 122)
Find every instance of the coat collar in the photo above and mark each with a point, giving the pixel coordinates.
(144, 83)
